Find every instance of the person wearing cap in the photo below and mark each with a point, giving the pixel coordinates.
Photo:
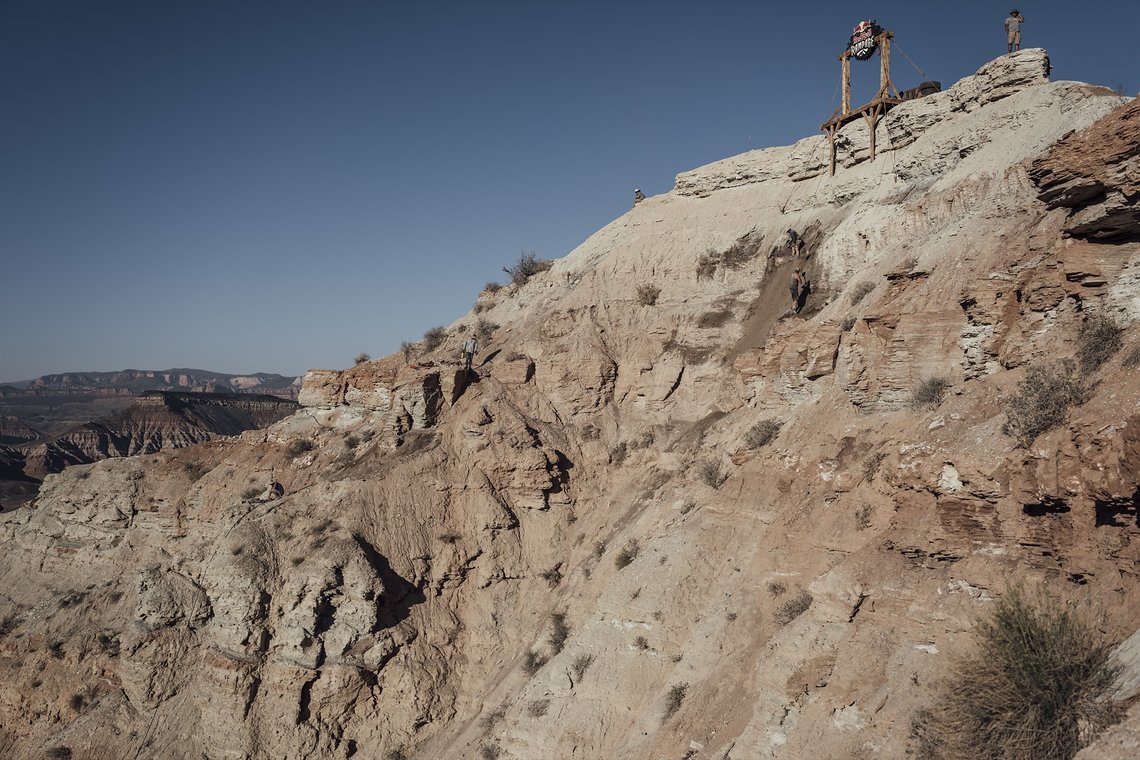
(638, 196)
(1013, 29)
(470, 348)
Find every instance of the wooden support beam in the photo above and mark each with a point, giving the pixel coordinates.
(884, 63)
(831, 139)
(846, 58)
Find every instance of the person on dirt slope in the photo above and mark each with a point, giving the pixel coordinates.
(470, 348)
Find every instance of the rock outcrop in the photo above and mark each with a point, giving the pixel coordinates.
(14, 431)
(695, 524)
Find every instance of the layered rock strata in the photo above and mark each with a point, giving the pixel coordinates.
(697, 524)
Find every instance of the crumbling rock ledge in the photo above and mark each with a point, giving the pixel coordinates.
(1095, 174)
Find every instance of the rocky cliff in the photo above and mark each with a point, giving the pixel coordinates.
(666, 516)
(14, 431)
(157, 420)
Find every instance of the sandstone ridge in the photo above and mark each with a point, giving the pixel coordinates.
(666, 516)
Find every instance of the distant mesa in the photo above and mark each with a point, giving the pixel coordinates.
(157, 420)
(134, 381)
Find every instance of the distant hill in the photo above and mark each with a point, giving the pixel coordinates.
(52, 404)
(156, 420)
(137, 381)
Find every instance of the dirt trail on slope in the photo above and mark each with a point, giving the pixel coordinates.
(773, 303)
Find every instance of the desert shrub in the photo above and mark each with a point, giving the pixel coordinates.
(351, 441)
(793, 608)
(488, 722)
(591, 433)
(860, 292)
(58, 752)
(1036, 684)
(298, 447)
(1042, 399)
(484, 329)
(627, 554)
(396, 754)
(79, 700)
(1131, 359)
(361, 358)
(674, 698)
(641, 643)
(538, 708)
(743, 250)
(526, 267)
(195, 470)
(533, 662)
(408, 349)
(643, 441)
(434, 338)
(706, 265)
(553, 576)
(250, 493)
(762, 433)
(871, 464)
(848, 322)
(71, 599)
(448, 538)
(714, 318)
(647, 294)
(1097, 340)
(560, 631)
(688, 506)
(480, 307)
(581, 664)
(599, 548)
(863, 517)
(619, 453)
(490, 752)
(929, 392)
(711, 473)
(492, 287)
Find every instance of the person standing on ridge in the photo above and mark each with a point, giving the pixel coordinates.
(1013, 29)
(638, 196)
(470, 348)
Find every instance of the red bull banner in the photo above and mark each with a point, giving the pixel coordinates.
(862, 44)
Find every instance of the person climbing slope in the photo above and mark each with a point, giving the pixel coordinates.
(797, 280)
(470, 348)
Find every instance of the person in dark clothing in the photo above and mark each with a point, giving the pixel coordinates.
(638, 196)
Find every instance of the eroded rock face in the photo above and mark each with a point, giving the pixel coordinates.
(624, 498)
(1095, 174)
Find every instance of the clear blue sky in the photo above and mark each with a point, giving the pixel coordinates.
(272, 186)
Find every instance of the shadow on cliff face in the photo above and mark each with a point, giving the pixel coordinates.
(1118, 512)
(400, 595)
